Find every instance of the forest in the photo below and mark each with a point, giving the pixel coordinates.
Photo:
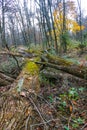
(43, 65)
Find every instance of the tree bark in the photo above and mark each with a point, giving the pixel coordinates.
(17, 105)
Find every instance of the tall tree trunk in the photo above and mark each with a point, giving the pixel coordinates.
(56, 44)
(63, 40)
(3, 25)
(80, 20)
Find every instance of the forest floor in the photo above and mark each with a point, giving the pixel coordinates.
(67, 97)
(61, 101)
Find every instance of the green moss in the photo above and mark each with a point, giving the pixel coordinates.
(59, 60)
(31, 68)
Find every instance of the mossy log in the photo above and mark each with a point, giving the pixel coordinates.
(16, 105)
(64, 65)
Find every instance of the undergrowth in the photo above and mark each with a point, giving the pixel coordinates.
(67, 101)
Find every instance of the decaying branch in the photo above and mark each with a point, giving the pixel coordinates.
(5, 80)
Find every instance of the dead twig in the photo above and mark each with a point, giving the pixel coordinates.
(47, 122)
(84, 127)
(26, 126)
(31, 100)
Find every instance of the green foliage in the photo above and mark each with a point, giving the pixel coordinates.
(85, 43)
(82, 46)
(63, 103)
(50, 97)
(80, 120)
(66, 128)
(73, 44)
(52, 51)
(13, 49)
(43, 79)
(64, 40)
(77, 122)
(65, 37)
(75, 125)
(73, 60)
(35, 48)
(81, 89)
(73, 94)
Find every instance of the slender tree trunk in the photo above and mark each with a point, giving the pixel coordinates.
(80, 17)
(56, 45)
(3, 25)
(64, 28)
(81, 27)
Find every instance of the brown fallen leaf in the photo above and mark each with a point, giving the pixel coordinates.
(71, 108)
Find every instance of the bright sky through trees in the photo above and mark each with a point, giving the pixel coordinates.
(83, 5)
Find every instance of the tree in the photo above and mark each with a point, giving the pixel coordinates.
(6, 6)
(12, 29)
(80, 20)
(46, 21)
(64, 41)
(53, 27)
(64, 21)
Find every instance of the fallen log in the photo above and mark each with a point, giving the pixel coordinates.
(5, 80)
(17, 105)
(73, 70)
(55, 59)
(51, 74)
(11, 54)
(18, 54)
(67, 66)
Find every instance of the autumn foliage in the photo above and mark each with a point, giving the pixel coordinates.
(70, 15)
